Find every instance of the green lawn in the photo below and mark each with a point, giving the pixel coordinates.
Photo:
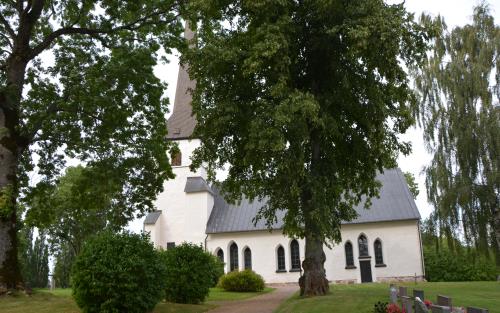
(361, 298)
(60, 301)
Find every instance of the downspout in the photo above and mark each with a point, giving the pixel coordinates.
(206, 243)
(421, 249)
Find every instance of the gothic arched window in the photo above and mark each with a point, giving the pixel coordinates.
(220, 255)
(379, 258)
(363, 246)
(280, 254)
(247, 254)
(349, 257)
(233, 257)
(295, 255)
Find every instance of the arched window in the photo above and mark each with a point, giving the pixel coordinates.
(247, 253)
(349, 257)
(280, 253)
(377, 246)
(220, 255)
(363, 246)
(176, 159)
(295, 255)
(233, 257)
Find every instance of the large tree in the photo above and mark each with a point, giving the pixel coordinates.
(304, 101)
(84, 201)
(459, 110)
(76, 80)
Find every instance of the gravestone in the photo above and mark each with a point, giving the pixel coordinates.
(420, 307)
(403, 291)
(476, 310)
(393, 294)
(440, 309)
(443, 301)
(418, 294)
(406, 303)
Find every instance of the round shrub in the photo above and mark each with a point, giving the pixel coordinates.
(246, 280)
(118, 273)
(190, 272)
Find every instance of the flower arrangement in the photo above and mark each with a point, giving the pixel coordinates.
(394, 308)
(428, 303)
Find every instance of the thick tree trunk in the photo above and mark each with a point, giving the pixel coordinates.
(314, 282)
(10, 276)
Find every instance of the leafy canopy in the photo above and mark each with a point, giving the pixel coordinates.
(459, 112)
(304, 100)
(78, 79)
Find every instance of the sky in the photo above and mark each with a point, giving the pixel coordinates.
(455, 13)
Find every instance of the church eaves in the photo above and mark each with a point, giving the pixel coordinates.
(181, 123)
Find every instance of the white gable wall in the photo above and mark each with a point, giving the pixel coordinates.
(184, 215)
(400, 246)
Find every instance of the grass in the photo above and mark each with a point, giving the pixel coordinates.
(60, 301)
(361, 298)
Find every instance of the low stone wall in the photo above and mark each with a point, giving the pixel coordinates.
(345, 281)
(394, 279)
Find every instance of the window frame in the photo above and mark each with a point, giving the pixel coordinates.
(349, 259)
(220, 254)
(233, 257)
(365, 244)
(247, 258)
(295, 256)
(379, 253)
(280, 260)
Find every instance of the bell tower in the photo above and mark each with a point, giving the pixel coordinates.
(183, 208)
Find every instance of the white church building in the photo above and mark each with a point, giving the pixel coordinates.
(382, 244)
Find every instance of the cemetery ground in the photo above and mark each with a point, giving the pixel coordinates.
(60, 301)
(360, 298)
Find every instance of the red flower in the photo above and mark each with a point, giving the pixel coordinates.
(428, 303)
(394, 308)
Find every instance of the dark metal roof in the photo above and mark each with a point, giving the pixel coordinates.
(152, 217)
(196, 184)
(181, 123)
(395, 203)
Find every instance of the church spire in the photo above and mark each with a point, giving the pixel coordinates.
(181, 123)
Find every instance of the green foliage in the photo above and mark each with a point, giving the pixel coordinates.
(190, 273)
(458, 110)
(118, 273)
(244, 281)
(447, 266)
(64, 260)
(216, 270)
(412, 184)
(296, 98)
(84, 201)
(34, 258)
(380, 307)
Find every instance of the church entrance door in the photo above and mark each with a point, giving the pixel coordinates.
(366, 271)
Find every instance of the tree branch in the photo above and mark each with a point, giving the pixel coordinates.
(7, 26)
(47, 41)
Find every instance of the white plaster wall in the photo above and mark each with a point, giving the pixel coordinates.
(400, 246)
(184, 215)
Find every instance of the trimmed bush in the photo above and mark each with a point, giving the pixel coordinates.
(118, 273)
(243, 281)
(217, 270)
(190, 272)
(445, 266)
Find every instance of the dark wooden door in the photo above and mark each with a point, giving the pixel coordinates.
(366, 271)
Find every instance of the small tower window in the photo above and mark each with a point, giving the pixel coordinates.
(349, 258)
(233, 257)
(280, 253)
(248, 258)
(220, 255)
(295, 255)
(363, 246)
(379, 258)
(176, 159)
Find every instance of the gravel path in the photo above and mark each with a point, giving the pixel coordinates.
(265, 303)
